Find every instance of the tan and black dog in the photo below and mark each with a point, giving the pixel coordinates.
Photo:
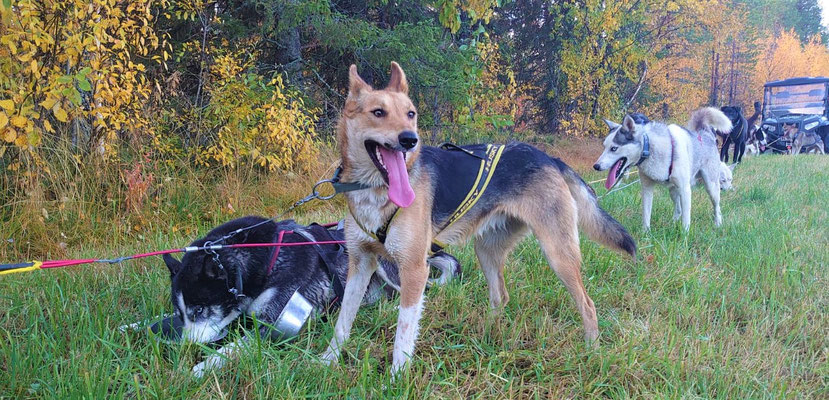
(421, 198)
(800, 139)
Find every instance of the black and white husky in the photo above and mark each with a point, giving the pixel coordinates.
(670, 155)
(208, 295)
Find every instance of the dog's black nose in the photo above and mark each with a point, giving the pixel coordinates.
(597, 167)
(407, 139)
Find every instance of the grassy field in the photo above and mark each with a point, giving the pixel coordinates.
(736, 312)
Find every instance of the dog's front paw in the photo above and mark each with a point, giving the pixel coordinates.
(212, 362)
(329, 357)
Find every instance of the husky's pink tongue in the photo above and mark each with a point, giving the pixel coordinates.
(400, 191)
(611, 176)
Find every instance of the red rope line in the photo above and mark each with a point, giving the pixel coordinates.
(72, 262)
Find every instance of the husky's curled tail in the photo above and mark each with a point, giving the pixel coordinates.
(710, 119)
(594, 220)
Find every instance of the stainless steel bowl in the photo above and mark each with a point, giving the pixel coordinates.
(293, 317)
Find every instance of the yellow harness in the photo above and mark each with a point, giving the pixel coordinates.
(487, 167)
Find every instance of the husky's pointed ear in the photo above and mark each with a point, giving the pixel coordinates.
(355, 83)
(172, 264)
(611, 124)
(732, 166)
(629, 124)
(397, 80)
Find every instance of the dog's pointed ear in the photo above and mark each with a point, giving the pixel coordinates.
(356, 85)
(397, 80)
(732, 166)
(172, 264)
(739, 110)
(629, 124)
(611, 124)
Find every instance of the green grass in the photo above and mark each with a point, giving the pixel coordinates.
(736, 312)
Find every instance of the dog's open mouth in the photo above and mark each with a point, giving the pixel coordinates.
(615, 172)
(392, 166)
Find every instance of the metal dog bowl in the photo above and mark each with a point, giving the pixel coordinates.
(293, 317)
(171, 330)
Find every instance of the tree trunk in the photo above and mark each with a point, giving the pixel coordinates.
(715, 77)
(292, 56)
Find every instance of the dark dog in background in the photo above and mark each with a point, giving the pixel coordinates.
(202, 289)
(756, 140)
(737, 136)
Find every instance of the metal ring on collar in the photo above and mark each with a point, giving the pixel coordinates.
(316, 193)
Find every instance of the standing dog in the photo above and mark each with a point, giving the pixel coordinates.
(668, 154)
(414, 189)
(809, 140)
(204, 291)
(737, 135)
(756, 143)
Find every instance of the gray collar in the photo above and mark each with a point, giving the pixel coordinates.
(646, 149)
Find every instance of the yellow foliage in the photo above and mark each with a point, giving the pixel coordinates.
(784, 57)
(62, 60)
(498, 99)
(248, 118)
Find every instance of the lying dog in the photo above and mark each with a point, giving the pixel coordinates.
(667, 154)
(204, 291)
(421, 198)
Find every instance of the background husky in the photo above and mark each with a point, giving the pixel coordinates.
(199, 287)
(809, 140)
(736, 136)
(726, 176)
(676, 156)
(420, 186)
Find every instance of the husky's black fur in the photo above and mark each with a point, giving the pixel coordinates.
(204, 285)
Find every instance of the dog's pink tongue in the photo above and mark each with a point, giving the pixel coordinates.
(611, 176)
(400, 191)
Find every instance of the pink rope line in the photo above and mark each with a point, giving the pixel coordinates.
(72, 262)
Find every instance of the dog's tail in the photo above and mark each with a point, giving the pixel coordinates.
(593, 220)
(709, 118)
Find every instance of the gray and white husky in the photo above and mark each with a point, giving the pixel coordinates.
(668, 154)
(208, 295)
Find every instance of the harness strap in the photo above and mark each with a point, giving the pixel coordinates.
(329, 261)
(487, 167)
(380, 234)
(276, 250)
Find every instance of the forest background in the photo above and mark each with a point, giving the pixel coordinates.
(108, 108)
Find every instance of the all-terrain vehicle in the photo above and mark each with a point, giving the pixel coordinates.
(803, 102)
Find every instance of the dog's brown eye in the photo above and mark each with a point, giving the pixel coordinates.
(411, 114)
(379, 113)
(614, 148)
